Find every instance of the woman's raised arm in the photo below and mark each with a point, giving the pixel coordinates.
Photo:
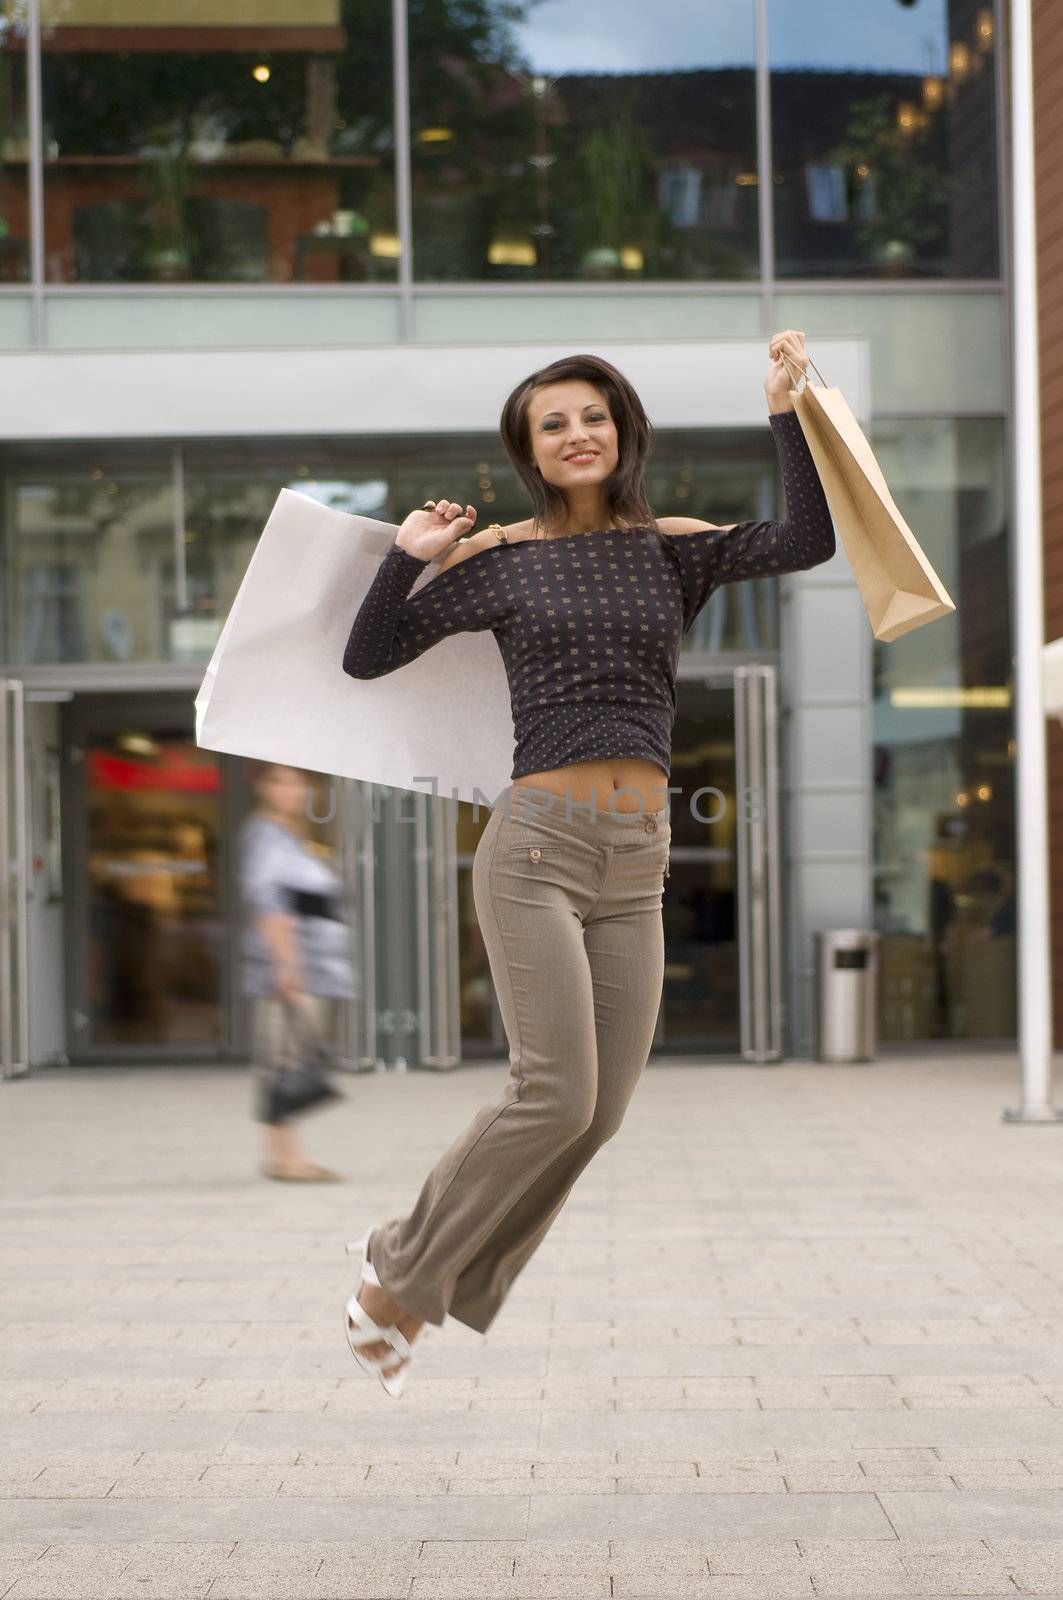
(709, 557)
(391, 629)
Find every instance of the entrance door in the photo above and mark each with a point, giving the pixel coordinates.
(147, 954)
(14, 867)
(722, 983)
(722, 924)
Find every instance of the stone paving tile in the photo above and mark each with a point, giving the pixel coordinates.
(763, 1515)
(782, 1587)
(850, 1390)
(1037, 1564)
(128, 1431)
(121, 1571)
(1032, 1513)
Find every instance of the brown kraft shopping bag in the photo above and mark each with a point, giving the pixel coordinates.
(897, 584)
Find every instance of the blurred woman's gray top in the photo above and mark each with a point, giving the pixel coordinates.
(279, 872)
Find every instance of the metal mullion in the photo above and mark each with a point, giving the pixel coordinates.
(21, 881)
(1002, 166)
(180, 565)
(35, 118)
(7, 1050)
(769, 681)
(403, 170)
(765, 188)
(14, 884)
(743, 883)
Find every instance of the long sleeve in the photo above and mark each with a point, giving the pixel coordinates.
(710, 557)
(391, 629)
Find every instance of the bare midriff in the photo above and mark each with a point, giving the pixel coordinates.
(644, 785)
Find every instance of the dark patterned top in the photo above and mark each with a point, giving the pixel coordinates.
(589, 625)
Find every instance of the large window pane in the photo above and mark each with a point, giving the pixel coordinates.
(583, 139)
(944, 753)
(230, 488)
(238, 142)
(90, 550)
(883, 123)
(90, 534)
(14, 147)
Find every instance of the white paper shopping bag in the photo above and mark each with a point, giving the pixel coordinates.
(275, 686)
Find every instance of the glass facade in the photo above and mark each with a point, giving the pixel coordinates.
(944, 750)
(249, 142)
(14, 148)
(884, 139)
(541, 149)
(90, 554)
(580, 140)
(567, 141)
(100, 572)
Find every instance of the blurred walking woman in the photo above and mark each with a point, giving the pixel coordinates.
(297, 967)
(588, 600)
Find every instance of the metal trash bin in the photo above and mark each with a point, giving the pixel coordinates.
(846, 994)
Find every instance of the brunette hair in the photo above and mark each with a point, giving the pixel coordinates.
(625, 491)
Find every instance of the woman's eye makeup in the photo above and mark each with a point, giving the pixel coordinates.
(553, 425)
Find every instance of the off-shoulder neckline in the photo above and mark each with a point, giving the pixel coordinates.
(514, 544)
(588, 533)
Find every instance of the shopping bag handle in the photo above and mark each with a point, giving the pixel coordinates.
(791, 365)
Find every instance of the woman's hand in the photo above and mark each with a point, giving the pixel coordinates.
(426, 534)
(778, 382)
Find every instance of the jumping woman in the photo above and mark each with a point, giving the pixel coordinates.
(588, 598)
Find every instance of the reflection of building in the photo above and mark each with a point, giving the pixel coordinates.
(228, 264)
(227, 189)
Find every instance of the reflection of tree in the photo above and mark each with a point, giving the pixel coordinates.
(910, 184)
(618, 166)
(470, 85)
(519, 174)
(166, 177)
(13, 25)
(183, 110)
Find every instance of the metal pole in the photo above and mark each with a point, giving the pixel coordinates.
(1031, 819)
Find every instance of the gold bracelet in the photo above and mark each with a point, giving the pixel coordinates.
(499, 532)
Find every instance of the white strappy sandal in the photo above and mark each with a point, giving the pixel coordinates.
(361, 1330)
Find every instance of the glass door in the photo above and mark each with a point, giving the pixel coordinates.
(148, 941)
(722, 919)
(722, 983)
(701, 1006)
(759, 872)
(14, 867)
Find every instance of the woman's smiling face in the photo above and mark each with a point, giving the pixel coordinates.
(573, 437)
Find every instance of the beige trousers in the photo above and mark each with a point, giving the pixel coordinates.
(569, 905)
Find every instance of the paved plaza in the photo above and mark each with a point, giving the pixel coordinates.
(798, 1331)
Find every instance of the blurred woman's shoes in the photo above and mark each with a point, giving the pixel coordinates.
(306, 1173)
(362, 1330)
